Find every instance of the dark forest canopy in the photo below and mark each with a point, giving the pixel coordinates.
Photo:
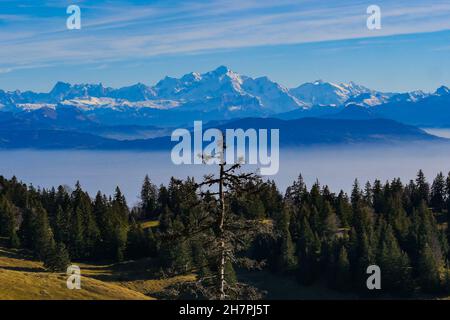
(310, 233)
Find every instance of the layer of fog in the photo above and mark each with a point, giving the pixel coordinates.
(337, 167)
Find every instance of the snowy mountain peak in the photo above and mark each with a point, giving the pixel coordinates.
(320, 92)
(225, 74)
(220, 90)
(354, 88)
(195, 86)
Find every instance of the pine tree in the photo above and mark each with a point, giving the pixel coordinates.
(8, 222)
(151, 243)
(330, 221)
(57, 258)
(87, 234)
(137, 245)
(76, 231)
(102, 212)
(356, 197)
(42, 234)
(447, 189)
(423, 188)
(393, 262)
(429, 278)
(344, 209)
(26, 228)
(378, 197)
(271, 198)
(149, 199)
(448, 232)
(200, 259)
(296, 193)
(182, 255)
(437, 201)
(119, 217)
(397, 217)
(368, 194)
(175, 253)
(61, 227)
(307, 254)
(360, 249)
(229, 231)
(342, 275)
(428, 234)
(287, 258)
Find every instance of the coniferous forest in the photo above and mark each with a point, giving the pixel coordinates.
(310, 234)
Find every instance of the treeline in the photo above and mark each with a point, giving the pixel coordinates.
(63, 223)
(313, 234)
(400, 228)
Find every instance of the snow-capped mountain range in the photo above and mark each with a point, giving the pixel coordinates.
(218, 90)
(223, 94)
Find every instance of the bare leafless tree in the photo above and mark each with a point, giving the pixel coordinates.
(229, 180)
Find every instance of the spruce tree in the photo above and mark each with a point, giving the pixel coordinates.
(307, 254)
(342, 274)
(8, 222)
(149, 199)
(344, 209)
(368, 194)
(428, 270)
(76, 235)
(437, 201)
(287, 258)
(57, 258)
(329, 223)
(136, 242)
(26, 228)
(356, 196)
(423, 188)
(42, 234)
(378, 197)
(295, 194)
(393, 262)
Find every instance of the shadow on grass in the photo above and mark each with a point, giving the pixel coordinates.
(15, 254)
(142, 269)
(23, 269)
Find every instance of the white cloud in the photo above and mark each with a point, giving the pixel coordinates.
(122, 31)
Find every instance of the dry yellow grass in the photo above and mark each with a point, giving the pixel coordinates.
(24, 279)
(150, 224)
(152, 286)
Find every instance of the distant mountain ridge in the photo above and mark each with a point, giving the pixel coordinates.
(217, 90)
(325, 93)
(223, 94)
(293, 133)
(221, 83)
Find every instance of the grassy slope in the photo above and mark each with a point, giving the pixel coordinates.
(25, 279)
(22, 278)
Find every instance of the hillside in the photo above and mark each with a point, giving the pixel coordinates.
(297, 132)
(22, 278)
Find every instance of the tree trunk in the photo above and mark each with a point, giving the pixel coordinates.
(220, 224)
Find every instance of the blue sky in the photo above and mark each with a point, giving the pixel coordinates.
(291, 41)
